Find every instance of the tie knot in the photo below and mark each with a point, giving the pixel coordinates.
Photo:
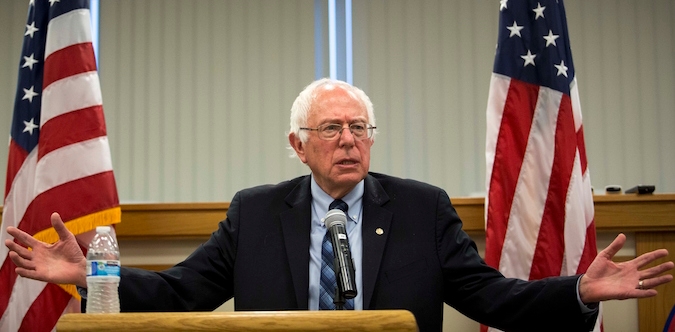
(339, 204)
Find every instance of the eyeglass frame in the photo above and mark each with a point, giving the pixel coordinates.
(370, 130)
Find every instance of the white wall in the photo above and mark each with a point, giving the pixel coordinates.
(197, 94)
(12, 28)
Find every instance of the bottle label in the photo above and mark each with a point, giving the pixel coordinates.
(103, 268)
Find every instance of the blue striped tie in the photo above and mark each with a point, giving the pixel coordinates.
(328, 282)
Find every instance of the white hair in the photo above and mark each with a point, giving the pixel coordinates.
(303, 104)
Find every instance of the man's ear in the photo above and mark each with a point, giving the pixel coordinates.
(298, 146)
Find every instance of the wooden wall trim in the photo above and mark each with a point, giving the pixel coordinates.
(626, 213)
(653, 311)
(168, 220)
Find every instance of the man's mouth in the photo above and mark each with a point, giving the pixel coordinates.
(347, 162)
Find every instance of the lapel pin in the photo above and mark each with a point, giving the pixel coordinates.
(379, 231)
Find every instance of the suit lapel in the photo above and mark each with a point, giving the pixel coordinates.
(295, 224)
(375, 230)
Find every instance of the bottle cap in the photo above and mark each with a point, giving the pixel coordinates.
(102, 229)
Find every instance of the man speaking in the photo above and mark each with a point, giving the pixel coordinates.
(404, 237)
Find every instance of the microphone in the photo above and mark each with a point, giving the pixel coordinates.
(343, 265)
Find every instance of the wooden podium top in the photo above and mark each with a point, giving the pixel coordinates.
(347, 320)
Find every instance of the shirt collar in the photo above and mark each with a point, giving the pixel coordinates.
(354, 200)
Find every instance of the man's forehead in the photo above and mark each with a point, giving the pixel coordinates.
(336, 98)
(336, 113)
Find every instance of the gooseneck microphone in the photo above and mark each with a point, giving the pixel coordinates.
(343, 265)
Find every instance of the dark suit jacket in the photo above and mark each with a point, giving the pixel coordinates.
(260, 255)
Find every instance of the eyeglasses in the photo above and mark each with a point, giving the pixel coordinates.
(331, 131)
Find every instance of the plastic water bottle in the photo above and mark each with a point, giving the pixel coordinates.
(103, 273)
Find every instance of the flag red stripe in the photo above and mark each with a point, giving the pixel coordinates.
(582, 149)
(82, 197)
(550, 248)
(71, 127)
(79, 196)
(60, 64)
(45, 311)
(590, 249)
(8, 277)
(509, 153)
(17, 155)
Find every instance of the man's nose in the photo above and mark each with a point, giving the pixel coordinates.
(346, 136)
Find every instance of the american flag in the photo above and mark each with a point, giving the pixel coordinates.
(539, 207)
(59, 157)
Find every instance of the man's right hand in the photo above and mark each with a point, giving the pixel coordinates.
(62, 262)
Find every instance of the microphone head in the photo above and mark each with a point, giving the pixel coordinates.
(335, 217)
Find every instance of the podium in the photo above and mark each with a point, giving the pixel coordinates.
(342, 320)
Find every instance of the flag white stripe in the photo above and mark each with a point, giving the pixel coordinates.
(598, 322)
(531, 191)
(51, 173)
(589, 209)
(20, 192)
(499, 89)
(25, 291)
(70, 94)
(575, 231)
(576, 104)
(68, 29)
(35, 177)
